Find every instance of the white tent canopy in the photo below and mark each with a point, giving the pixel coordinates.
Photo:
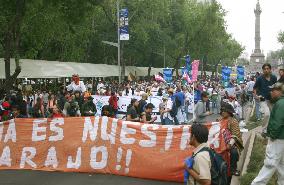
(56, 69)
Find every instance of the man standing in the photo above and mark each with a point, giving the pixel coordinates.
(198, 166)
(249, 88)
(262, 92)
(201, 114)
(274, 160)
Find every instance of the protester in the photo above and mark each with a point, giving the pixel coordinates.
(274, 156)
(262, 92)
(162, 107)
(71, 107)
(76, 84)
(132, 113)
(56, 113)
(167, 116)
(146, 116)
(38, 109)
(142, 103)
(198, 166)
(88, 107)
(201, 114)
(113, 102)
(281, 75)
(233, 139)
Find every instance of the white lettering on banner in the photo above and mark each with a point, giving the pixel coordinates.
(59, 136)
(125, 131)
(90, 128)
(1, 130)
(128, 160)
(25, 158)
(169, 136)
(51, 159)
(11, 132)
(36, 129)
(152, 135)
(104, 135)
(5, 158)
(118, 157)
(93, 161)
(185, 137)
(77, 163)
(213, 136)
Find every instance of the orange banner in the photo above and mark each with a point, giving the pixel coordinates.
(99, 145)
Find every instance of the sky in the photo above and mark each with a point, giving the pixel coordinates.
(240, 20)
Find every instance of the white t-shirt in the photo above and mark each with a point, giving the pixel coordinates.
(168, 106)
(250, 85)
(74, 87)
(100, 85)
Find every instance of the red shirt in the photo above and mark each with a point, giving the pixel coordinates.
(113, 102)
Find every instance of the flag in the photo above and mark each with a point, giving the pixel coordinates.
(186, 78)
(168, 74)
(158, 78)
(194, 72)
(240, 74)
(187, 63)
(226, 73)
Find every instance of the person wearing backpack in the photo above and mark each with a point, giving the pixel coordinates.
(198, 166)
(205, 166)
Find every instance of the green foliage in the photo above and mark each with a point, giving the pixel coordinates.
(74, 30)
(281, 37)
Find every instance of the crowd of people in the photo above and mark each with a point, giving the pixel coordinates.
(179, 102)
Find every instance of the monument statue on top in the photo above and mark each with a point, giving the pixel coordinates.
(257, 57)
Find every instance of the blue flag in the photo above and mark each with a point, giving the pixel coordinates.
(168, 74)
(240, 74)
(226, 73)
(187, 63)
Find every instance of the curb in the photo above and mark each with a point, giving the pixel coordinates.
(247, 153)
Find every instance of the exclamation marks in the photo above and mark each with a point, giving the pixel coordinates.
(119, 156)
(127, 159)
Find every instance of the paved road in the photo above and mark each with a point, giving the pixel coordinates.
(28, 177)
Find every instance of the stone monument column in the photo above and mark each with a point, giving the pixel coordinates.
(257, 58)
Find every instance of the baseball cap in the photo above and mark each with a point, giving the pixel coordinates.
(277, 86)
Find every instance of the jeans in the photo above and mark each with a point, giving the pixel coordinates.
(257, 107)
(250, 95)
(273, 162)
(167, 121)
(234, 159)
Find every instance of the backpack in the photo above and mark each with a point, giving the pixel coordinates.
(219, 173)
(72, 110)
(175, 106)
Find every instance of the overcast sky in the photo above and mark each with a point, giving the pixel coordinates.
(240, 20)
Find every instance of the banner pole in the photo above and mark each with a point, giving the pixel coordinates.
(193, 107)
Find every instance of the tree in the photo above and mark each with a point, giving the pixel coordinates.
(281, 37)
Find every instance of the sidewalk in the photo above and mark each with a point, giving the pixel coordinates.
(246, 137)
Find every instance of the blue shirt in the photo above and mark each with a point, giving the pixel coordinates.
(180, 96)
(262, 86)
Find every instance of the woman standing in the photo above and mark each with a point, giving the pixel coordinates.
(233, 140)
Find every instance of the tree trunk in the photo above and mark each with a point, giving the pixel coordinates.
(11, 46)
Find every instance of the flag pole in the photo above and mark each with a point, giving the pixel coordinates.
(193, 106)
